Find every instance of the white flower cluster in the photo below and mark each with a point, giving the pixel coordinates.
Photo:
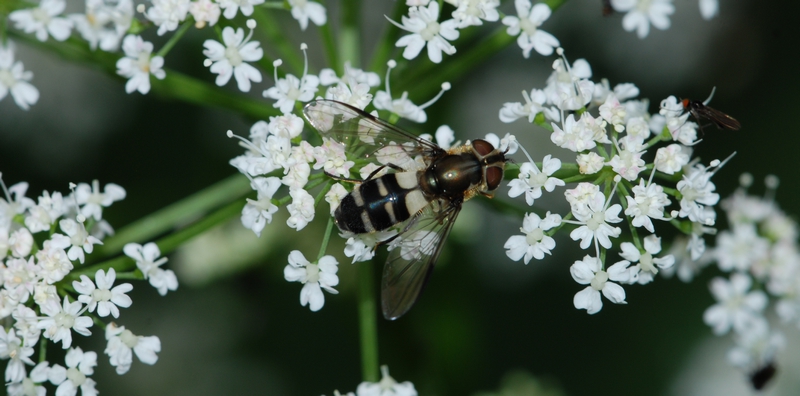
(105, 24)
(387, 386)
(760, 251)
(610, 148)
(41, 244)
(426, 30)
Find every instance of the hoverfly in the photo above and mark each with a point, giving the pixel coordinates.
(420, 199)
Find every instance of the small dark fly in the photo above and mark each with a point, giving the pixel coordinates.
(700, 110)
(419, 198)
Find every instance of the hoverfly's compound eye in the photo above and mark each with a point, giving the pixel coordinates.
(494, 175)
(482, 147)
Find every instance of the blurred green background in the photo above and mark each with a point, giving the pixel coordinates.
(235, 325)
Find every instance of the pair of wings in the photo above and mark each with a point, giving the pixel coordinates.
(415, 249)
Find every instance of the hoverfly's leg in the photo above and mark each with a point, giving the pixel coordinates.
(390, 165)
(347, 179)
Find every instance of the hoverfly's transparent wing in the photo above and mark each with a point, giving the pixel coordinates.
(368, 137)
(412, 257)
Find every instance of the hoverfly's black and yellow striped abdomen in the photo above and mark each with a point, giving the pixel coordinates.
(380, 203)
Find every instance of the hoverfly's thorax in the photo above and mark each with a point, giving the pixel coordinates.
(452, 175)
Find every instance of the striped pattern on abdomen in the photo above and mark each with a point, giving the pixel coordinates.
(380, 203)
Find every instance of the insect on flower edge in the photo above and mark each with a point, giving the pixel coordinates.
(420, 199)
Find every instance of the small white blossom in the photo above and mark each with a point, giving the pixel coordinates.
(43, 19)
(736, 306)
(386, 387)
(301, 210)
(422, 23)
(527, 27)
(104, 23)
(46, 212)
(569, 87)
(230, 7)
(229, 58)
(709, 8)
(756, 348)
(351, 75)
(305, 10)
(256, 214)
(14, 79)
(531, 180)
(589, 272)
(508, 144)
(122, 344)
(628, 161)
(740, 248)
(19, 353)
(361, 247)
(103, 297)
(137, 65)
(20, 277)
(204, 12)
(77, 239)
(613, 112)
(287, 126)
(54, 262)
(61, 319)
(354, 94)
(167, 14)
(79, 365)
(641, 13)
(297, 176)
(148, 261)
(25, 321)
(470, 12)
(647, 203)
(20, 242)
(334, 196)
(92, 201)
(332, 159)
(646, 262)
(697, 190)
(594, 219)
(534, 104)
(534, 244)
(672, 158)
(28, 386)
(314, 278)
(575, 135)
(590, 163)
(290, 89)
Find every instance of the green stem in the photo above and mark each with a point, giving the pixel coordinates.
(276, 37)
(329, 44)
(188, 89)
(167, 244)
(231, 189)
(175, 86)
(326, 238)
(368, 322)
(349, 40)
(385, 45)
(175, 38)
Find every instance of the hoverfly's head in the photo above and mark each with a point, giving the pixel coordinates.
(493, 161)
